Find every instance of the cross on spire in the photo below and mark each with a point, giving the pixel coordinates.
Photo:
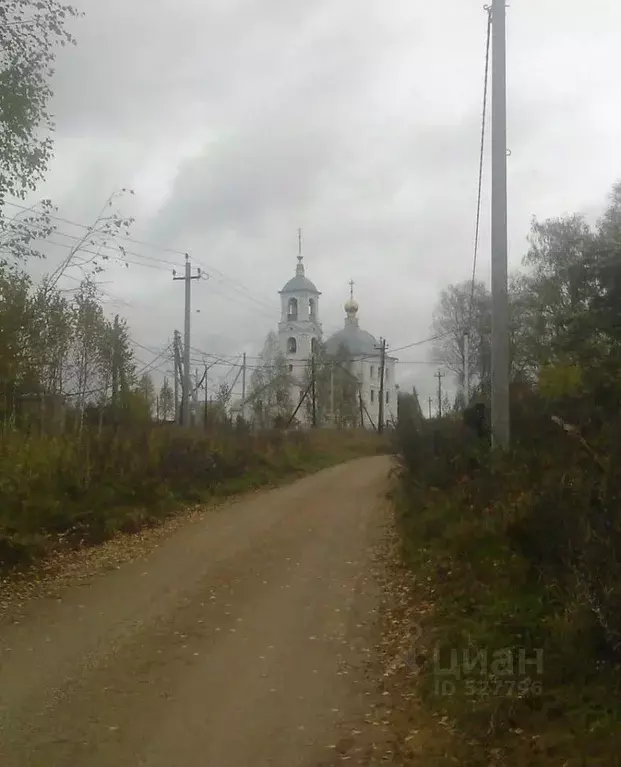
(351, 289)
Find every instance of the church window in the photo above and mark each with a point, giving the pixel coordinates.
(291, 368)
(372, 372)
(311, 308)
(387, 397)
(292, 309)
(313, 345)
(292, 345)
(372, 396)
(386, 375)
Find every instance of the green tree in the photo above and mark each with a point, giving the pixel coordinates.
(558, 288)
(146, 391)
(167, 401)
(409, 411)
(53, 332)
(215, 411)
(30, 33)
(18, 369)
(88, 363)
(21, 233)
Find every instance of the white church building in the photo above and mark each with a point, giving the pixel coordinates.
(299, 331)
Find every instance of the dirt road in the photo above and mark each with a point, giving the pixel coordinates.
(238, 642)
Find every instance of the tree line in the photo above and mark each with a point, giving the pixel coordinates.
(565, 332)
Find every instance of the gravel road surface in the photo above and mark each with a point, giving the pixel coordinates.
(239, 641)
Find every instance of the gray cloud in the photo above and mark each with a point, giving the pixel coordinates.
(236, 121)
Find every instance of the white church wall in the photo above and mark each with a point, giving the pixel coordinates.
(368, 371)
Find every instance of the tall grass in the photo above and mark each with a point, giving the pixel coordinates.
(82, 490)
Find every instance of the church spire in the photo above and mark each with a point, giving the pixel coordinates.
(351, 306)
(299, 270)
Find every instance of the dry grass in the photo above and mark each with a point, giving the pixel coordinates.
(517, 554)
(58, 492)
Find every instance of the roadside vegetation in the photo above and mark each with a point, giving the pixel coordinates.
(67, 490)
(517, 556)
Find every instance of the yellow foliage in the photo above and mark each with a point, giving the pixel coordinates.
(560, 380)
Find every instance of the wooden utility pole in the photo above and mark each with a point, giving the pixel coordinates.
(380, 419)
(440, 376)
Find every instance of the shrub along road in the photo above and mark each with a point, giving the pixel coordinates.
(241, 639)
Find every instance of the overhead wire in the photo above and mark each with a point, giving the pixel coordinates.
(123, 257)
(477, 227)
(251, 295)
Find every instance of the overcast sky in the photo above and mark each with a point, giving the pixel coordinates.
(238, 121)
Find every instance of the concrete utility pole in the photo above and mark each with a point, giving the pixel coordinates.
(380, 416)
(466, 368)
(430, 401)
(440, 376)
(500, 302)
(187, 278)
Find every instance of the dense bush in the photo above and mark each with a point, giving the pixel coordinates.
(521, 552)
(84, 489)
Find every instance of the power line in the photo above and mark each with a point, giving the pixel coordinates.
(420, 343)
(123, 253)
(249, 295)
(98, 254)
(104, 246)
(481, 157)
(151, 365)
